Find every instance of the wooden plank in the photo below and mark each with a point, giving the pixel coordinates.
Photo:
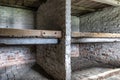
(55, 34)
(27, 41)
(94, 40)
(7, 32)
(109, 2)
(95, 35)
(82, 8)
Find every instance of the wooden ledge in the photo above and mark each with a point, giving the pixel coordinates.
(109, 2)
(8, 32)
(95, 35)
(27, 41)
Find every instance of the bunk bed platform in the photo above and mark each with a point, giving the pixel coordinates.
(88, 37)
(28, 37)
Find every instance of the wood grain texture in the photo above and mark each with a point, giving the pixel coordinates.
(110, 2)
(8, 32)
(95, 35)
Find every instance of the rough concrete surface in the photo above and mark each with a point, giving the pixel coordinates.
(96, 73)
(106, 20)
(55, 59)
(16, 18)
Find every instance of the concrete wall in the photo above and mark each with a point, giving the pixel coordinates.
(55, 59)
(16, 18)
(75, 24)
(99, 54)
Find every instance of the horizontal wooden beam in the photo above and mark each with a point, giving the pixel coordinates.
(94, 40)
(7, 32)
(109, 2)
(95, 35)
(27, 41)
(82, 8)
(17, 6)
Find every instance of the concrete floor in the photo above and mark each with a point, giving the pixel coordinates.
(24, 72)
(33, 71)
(84, 74)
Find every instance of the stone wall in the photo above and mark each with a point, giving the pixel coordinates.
(55, 59)
(99, 54)
(16, 18)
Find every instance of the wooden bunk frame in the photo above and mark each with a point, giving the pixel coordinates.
(88, 37)
(8, 32)
(10, 36)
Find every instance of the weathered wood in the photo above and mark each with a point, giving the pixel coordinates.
(95, 35)
(94, 40)
(7, 32)
(56, 34)
(82, 8)
(110, 2)
(27, 41)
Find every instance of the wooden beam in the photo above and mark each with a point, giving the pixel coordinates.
(17, 6)
(109, 2)
(27, 41)
(82, 8)
(7, 32)
(94, 40)
(95, 35)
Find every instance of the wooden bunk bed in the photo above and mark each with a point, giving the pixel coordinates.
(10, 36)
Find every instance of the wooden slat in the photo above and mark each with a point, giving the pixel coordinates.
(94, 40)
(95, 35)
(110, 2)
(82, 8)
(27, 41)
(7, 32)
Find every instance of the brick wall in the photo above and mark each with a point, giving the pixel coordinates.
(15, 55)
(99, 54)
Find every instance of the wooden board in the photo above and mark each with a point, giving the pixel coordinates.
(95, 35)
(27, 41)
(110, 2)
(7, 32)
